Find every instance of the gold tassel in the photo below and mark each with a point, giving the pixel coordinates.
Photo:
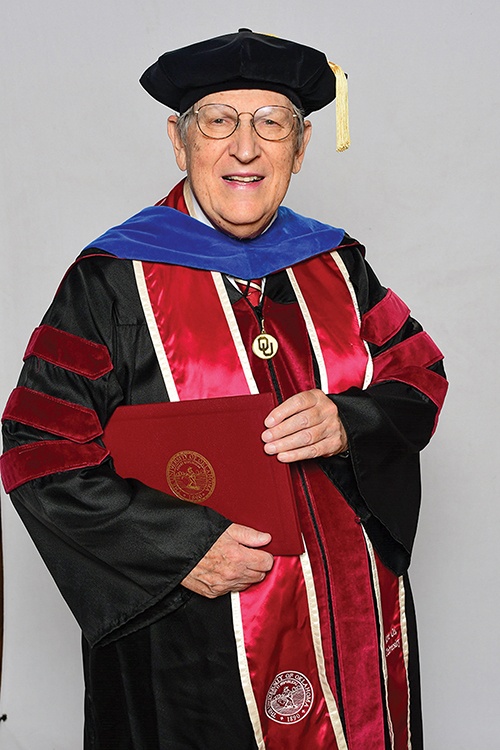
(341, 108)
(341, 105)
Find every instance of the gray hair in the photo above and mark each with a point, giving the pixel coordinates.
(186, 118)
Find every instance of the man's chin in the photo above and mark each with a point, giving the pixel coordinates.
(242, 230)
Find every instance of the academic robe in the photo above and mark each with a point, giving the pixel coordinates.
(162, 667)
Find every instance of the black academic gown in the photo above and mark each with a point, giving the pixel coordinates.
(160, 662)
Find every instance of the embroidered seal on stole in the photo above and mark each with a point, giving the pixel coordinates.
(289, 698)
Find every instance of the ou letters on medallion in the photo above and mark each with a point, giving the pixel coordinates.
(265, 346)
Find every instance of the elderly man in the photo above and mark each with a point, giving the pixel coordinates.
(194, 636)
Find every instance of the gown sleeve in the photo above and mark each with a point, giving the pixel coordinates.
(116, 548)
(392, 420)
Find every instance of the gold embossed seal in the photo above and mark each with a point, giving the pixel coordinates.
(190, 476)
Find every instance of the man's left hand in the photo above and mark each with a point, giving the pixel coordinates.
(307, 425)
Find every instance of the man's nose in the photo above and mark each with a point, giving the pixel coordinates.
(244, 142)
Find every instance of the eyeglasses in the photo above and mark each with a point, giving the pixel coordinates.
(273, 123)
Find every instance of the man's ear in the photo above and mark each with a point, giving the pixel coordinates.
(178, 146)
(299, 156)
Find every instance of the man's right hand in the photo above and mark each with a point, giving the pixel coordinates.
(232, 564)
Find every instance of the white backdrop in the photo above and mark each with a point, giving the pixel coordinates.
(83, 147)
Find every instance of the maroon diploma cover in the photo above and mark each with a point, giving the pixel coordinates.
(210, 452)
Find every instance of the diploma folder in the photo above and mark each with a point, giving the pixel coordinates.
(210, 452)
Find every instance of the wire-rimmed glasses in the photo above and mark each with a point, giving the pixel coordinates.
(272, 123)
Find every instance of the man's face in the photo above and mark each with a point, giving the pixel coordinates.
(241, 180)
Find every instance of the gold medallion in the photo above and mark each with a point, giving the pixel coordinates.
(190, 476)
(265, 346)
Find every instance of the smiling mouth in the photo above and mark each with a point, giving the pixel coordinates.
(242, 179)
